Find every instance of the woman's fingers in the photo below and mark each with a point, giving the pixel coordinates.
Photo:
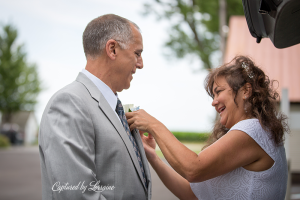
(141, 120)
(138, 126)
(129, 114)
(142, 132)
(130, 121)
(150, 136)
(132, 126)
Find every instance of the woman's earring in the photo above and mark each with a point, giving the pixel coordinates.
(245, 107)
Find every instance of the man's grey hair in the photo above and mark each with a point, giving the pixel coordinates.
(104, 28)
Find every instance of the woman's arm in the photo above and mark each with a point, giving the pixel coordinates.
(233, 150)
(179, 186)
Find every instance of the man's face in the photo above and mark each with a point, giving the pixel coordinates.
(128, 60)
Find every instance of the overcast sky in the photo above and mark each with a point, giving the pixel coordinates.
(52, 33)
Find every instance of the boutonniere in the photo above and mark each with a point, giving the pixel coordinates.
(130, 108)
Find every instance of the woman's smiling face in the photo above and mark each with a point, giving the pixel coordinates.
(230, 112)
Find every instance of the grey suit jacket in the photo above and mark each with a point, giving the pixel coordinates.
(85, 152)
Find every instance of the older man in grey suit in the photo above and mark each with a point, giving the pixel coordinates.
(86, 148)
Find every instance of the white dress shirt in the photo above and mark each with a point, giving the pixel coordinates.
(108, 94)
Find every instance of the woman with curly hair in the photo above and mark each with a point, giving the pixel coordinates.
(244, 157)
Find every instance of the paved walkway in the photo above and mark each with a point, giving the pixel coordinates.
(20, 177)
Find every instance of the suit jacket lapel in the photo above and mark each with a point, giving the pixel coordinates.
(139, 142)
(112, 117)
(104, 106)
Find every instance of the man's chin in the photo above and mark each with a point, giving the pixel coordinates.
(127, 86)
(124, 88)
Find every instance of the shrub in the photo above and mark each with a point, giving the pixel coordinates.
(4, 141)
(190, 136)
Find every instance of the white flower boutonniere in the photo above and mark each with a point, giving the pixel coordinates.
(130, 108)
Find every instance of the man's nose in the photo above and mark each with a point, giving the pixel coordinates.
(140, 63)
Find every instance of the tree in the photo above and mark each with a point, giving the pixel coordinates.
(19, 81)
(195, 25)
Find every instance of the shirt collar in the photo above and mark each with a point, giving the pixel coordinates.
(108, 94)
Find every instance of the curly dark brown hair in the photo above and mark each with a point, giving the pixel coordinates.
(262, 102)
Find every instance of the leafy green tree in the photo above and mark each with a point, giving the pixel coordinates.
(19, 81)
(194, 25)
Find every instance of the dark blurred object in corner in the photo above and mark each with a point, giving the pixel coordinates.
(278, 20)
(12, 133)
(295, 178)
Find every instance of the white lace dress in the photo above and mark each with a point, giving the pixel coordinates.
(242, 184)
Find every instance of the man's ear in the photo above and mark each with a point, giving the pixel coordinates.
(110, 49)
(248, 89)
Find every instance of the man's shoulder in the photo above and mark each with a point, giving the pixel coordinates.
(78, 86)
(74, 88)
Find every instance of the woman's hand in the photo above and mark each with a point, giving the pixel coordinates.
(142, 121)
(149, 145)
